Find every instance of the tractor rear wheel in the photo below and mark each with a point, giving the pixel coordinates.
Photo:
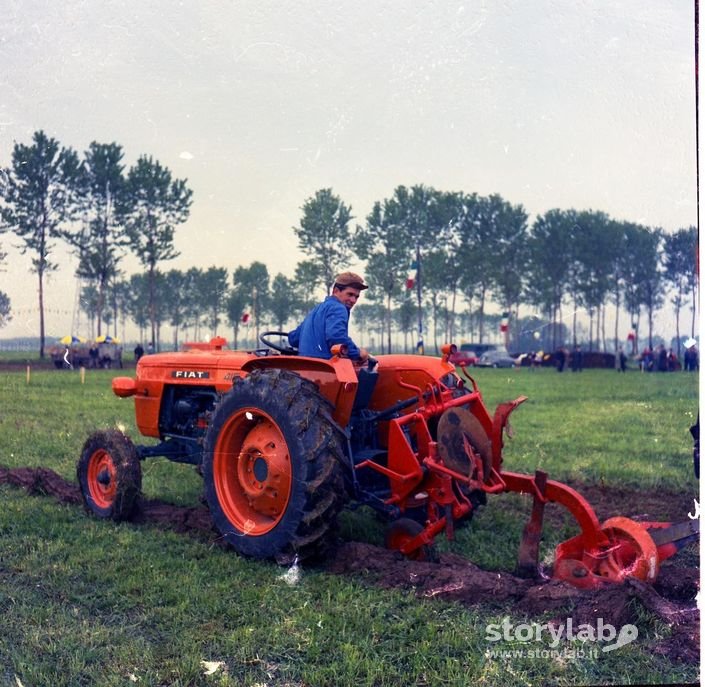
(272, 467)
(109, 474)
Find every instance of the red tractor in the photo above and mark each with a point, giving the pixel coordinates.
(284, 442)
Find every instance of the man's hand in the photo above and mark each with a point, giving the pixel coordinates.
(362, 360)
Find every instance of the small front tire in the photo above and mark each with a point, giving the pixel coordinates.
(110, 475)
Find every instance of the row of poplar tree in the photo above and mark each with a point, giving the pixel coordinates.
(429, 255)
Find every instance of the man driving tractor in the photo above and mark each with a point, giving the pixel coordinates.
(327, 324)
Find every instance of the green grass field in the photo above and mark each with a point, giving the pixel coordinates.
(88, 602)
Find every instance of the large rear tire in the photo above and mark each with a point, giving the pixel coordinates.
(110, 475)
(272, 467)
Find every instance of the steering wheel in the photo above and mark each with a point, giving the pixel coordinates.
(286, 350)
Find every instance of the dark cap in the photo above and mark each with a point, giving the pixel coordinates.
(345, 279)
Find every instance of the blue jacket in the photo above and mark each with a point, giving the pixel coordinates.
(325, 326)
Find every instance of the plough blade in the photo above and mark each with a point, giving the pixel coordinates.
(635, 550)
(672, 538)
(602, 554)
(629, 551)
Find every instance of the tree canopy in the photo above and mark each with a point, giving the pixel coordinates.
(453, 262)
(151, 208)
(39, 195)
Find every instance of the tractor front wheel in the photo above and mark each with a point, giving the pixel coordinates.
(109, 474)
(272, 467)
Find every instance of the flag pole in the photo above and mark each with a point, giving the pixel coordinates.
(419, 345)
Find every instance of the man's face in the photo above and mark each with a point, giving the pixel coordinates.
(347, 296)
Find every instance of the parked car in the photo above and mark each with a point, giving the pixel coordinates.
(465, 355)
(496, 357)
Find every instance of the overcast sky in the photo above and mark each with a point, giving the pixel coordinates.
(259, 104)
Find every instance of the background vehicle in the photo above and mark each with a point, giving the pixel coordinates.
(72, 355)
(109, 354)
(497, 357)
(466, 354)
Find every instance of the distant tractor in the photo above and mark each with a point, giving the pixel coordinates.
(66, 356)
(109, 355)
(103, 354)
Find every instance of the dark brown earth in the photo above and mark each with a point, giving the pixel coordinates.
(671, 599)
(639, 505)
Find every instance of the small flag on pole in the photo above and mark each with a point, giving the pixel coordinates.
(245, 317)
(411, 275)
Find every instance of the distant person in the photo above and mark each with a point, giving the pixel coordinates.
(150, 348)
(531, 360)
(620, 360)
(690, 359)
(686, 360)
(646, 362)
(662, 359)
(139, 352)
(576, 359)
(560, 359)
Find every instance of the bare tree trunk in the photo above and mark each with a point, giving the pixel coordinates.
(115, 314)
(446, 322)
(616, 320)
(591, 314)
(598, 324)
(419, 276)
(100, 307)
(152, 306)
(575, 324)
(389, 322)
(650, 313)
(678, 319)
(434, 306)
(481, 312)
(554, 332)
(636, 317)
(41, 313)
